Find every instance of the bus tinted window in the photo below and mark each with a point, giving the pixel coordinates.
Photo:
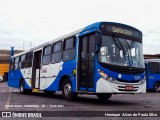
(69, 43)
(57, 47)
(46, 55)
(28, 62)
(16, 63)
(23, 58)
(29, 56)
(22, 61)
(91, 46)
(68, 54)
(69, 51)
(17, 60)
(12, 64)
(47, 50)
(57, 52)
(154, 67)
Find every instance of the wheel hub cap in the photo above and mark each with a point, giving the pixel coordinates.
(67, 89)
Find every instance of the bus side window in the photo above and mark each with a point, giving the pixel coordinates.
(46, 55)
(56, 52)
(69, 49)
(16, 62)
(22, 62)
(154, 67)
(12, 64)
(28, 62)
(19, 64)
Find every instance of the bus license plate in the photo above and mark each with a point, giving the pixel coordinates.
(129, 87)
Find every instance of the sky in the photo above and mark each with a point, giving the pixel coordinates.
(28, 23)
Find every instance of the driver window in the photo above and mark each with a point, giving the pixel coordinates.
(105, 57)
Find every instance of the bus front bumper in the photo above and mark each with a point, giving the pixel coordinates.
(104, 86)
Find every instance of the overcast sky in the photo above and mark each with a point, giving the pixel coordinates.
(26, 23)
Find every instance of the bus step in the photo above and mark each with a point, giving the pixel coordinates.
(35, 90)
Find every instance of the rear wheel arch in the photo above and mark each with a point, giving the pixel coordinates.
(157, 86)
(63, 78)
(21, 80)
(22, 87)
(67, 90)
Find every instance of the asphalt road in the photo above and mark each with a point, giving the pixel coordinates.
(12, 100)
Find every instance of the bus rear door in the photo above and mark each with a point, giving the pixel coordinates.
(36, 69)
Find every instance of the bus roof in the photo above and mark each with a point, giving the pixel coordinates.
(94, 25)
(47, 43)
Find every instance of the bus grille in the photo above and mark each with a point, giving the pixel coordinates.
(123, 69)
(127, 71)
(122, 88)
(128, 81)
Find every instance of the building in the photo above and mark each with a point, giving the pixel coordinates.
(4, 60)
(151, 56)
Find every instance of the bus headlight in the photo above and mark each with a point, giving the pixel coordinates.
(144, 77)
(142, 81)
(105, 76)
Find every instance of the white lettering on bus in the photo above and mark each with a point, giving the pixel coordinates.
(122, 31)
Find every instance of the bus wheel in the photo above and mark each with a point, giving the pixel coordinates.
(103, 97)
(157, 87)
(67, 91)
(23, 90)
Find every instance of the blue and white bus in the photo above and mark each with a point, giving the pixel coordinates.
(103, 58)
(153, 74)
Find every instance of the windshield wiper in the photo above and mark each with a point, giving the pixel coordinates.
(129, 48)
(119, 44)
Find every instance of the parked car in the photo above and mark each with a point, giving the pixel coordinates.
(1, 78)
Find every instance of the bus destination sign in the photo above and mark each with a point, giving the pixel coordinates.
(121, 30)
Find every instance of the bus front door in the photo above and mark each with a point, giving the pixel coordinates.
(36, 69)
(86, 63)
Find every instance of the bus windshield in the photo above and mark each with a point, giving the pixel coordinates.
(121, 51)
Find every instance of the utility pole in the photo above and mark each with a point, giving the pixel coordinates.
(30, 45)
(23, 45)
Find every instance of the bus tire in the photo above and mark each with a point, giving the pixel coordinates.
(23, 90)
(67, 91)
(157, 86)
(103, 97)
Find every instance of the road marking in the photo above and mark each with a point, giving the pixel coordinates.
(8, 99)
